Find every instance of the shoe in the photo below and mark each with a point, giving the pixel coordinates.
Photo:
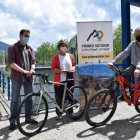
(72, 114)
(12, 126)
(59, 117)
(31, 121)
(121, 98)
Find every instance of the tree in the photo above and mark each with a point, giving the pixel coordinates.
(117, 40)
(3, 57)
(6, 56)
(46, 52)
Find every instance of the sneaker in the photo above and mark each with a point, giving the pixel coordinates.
(121, 98)
(59, 117)
(72, 114)
(12, 126)
(31, 121)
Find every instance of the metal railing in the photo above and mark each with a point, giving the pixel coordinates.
(5, 82)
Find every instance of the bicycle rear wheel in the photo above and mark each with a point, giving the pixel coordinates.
(79, 102)
(100, 107)
(40, 116)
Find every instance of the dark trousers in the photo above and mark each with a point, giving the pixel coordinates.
(128, 73)
(59, 90)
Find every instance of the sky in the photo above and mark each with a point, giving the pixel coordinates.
(52, 20)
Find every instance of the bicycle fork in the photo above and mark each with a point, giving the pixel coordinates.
(108, 103)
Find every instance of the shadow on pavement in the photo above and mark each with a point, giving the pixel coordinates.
(51, 123)
(4, 133)
(118, 129)
(55, 124)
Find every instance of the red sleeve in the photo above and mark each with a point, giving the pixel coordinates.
(11, 55)
(54, 62)
(72, 60)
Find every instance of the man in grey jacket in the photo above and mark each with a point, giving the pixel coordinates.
(133, 49)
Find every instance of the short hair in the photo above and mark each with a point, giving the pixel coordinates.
(61, 42)
(24, 30)
(138, 28)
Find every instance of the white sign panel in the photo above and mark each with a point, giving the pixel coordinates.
(95, 51)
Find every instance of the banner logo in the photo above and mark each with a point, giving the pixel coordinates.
(97, 34)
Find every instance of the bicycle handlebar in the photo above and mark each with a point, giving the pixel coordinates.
(44, 77)
(119, 71)
(115, 69)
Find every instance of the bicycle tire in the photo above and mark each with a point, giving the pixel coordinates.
(137, 107)
(104, 99)
(32, 129)
(78, 109)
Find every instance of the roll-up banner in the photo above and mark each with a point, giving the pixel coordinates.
(95, 51)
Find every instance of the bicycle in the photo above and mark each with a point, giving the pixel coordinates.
(39, 108)
(102, 105)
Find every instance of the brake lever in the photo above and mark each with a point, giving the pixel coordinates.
(27, 78)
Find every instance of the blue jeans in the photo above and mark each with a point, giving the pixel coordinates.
(15, 98)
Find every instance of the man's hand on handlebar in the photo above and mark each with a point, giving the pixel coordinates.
(136, 73)
(28, 73)
(110, 64)
(32, 71)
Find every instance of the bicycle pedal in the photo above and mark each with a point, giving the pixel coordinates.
(129, 104)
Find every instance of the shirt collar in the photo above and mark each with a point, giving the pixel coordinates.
(20, 45)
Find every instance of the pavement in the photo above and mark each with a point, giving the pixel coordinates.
(124, 125)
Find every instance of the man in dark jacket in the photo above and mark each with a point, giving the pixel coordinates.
(21, 59)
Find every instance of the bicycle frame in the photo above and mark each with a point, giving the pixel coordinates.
(121, 80)
(136, 92)
(43, 90)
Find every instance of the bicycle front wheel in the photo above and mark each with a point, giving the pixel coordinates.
(79, 101)
(32, 107)
(100, 107)
(137, 106)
